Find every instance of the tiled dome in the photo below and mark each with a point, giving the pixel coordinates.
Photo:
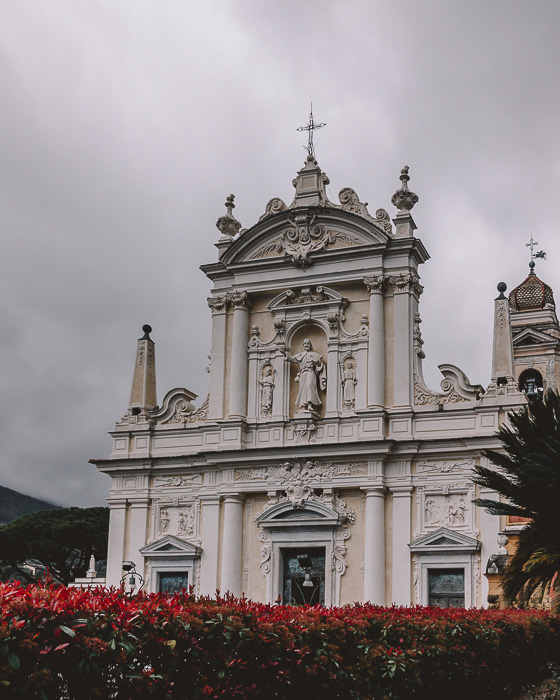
(531, 294)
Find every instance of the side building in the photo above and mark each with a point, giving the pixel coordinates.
(321, 467)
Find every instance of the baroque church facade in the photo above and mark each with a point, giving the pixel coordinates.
(321, 468)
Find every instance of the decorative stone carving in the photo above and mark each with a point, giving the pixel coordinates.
(351, 202)
(415, 579)
(239, 300)
(267, 390)
(259, 474)
(444, 510)
(255, 339)
(185, 480)
(217, 304)
(302, 237)
(404, 199)
(376, 284)
(177, 408)
(228, 225)
(298, 477)
(274, 206)
(317, 472)
(349, 382)
(445, 467)
(164, 520)
(384, 220)
(448, 505)
(339, 562)
(185, 525)
(312, 376)
(304, 431)
(455, 387)
(408, 282)
(306, 295)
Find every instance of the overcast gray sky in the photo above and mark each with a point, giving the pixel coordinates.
(126, 123)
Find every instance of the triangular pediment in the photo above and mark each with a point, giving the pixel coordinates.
(170, 546)
(530, 336)
(443, 539)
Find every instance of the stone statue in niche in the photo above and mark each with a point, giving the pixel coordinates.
(312, 376)
(267, 390)
(349, 388)
(164, 520)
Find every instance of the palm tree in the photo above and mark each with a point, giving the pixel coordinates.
(528, 479)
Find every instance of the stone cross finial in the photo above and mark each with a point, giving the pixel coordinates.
(228, 224)
(404, 199)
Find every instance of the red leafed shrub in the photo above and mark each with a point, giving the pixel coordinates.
(57, 642)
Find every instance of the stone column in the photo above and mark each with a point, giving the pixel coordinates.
(333, 381)
(232, 546)
(138, 521)
(489, 526)
(115, 548)
(217, 356)
(209, 534)
(405, 287)
(239, 355)
(374, 546)
(376, 346)
(401, 569)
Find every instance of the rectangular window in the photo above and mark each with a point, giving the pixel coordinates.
(173, 582)
(446, 588)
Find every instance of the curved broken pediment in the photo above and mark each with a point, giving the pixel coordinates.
(297, 235)
(177, 408)
(284, 514)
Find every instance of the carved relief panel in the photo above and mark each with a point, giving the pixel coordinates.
(178, 517)
(447, 505)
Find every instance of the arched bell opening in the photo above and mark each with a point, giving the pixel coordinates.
(531, 384)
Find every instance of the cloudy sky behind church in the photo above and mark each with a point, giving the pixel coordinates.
(125, 124)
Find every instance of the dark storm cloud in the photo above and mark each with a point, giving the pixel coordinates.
(124, 126)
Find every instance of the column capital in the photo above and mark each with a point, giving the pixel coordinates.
(239, 300)
(408, 282)
(218, 304)
(378, 491)
(376, 284)
(233, 498)
(212, 500)
(401, 491)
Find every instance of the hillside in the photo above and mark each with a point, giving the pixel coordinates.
(14, 504)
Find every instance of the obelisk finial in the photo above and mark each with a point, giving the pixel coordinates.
(143, 396)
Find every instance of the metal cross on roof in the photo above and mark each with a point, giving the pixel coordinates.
(310, 128)
(539, 254)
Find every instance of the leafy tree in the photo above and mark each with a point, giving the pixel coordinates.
(528, 479)
(60, 540)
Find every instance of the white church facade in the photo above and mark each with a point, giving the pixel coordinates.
(321, 468)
